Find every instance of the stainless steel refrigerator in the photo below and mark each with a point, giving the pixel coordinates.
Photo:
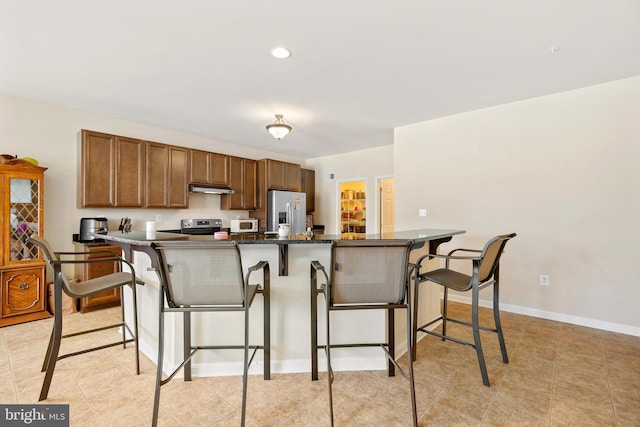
(287, 207)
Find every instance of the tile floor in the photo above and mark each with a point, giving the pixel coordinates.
(558, 375)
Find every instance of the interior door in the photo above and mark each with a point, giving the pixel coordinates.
(386, 206)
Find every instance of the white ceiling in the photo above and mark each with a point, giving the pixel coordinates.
(358, 68)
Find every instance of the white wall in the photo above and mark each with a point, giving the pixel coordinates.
(563, 172)
(50, 134)
(357, 165)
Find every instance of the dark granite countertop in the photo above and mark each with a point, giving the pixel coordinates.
(420, 235)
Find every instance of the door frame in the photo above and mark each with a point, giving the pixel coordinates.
(339, 204)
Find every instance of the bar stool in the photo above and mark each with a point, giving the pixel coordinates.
(79, 290)
(207, 276)
(485, 272)
(365, 275)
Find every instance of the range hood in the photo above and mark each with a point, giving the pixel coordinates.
(209, 189)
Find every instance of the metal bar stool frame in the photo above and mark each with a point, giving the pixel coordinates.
(79, 290)
(163, 266)
(401, 298)
(485, 273)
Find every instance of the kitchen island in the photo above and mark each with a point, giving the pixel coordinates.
(290, 308)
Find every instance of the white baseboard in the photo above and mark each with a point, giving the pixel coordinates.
(373, 363)
(560, 317)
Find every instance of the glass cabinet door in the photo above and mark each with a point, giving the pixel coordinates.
(24, 212)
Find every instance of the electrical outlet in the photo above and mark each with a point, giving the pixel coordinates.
(545, 280)
(158, 218)
(422, 212)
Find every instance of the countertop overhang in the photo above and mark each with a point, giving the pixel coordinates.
(420, 237)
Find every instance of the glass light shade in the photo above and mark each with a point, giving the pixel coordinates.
(279, 129)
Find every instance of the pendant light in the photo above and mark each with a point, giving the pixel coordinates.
(279, 129)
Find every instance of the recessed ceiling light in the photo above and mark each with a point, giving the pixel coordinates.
(280, 52)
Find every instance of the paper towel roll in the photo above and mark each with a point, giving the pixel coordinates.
(151, 230)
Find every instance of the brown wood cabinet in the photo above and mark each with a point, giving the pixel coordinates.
(97, 170)
(209, 168)
(117, 171)
(274, 175)
(121, 172)
(129, 173)
(112, 171)
(282, 175)
(92, 270)
(22, 269)
(309, 187)
(293, 174)
(243, 182)
(167, 176)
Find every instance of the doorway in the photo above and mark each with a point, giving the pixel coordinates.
(353, 209)
(386, 203)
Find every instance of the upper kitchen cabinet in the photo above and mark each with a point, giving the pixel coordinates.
(209, 168)
(167, 176)
(112, 170)
(130, 172)
(121, 172)
(273, 175)
(283, 175)
(309, 187)
(96, 183)
(243, 182)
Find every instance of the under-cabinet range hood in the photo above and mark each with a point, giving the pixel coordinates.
(209, 189)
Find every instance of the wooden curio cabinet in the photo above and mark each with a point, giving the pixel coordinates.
(22, 267)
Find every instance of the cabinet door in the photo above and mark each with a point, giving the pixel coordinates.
(276, 175)
(309, 187)
(157, 175)
(243, 181)
(130, 171)
(249, 190)
(178, 177)
(199, 166)
(220, 170)
(110, 298)
(97, 170)
(293, 175)
(236, 175)
(209, 168)
(22, 215)
(23, 292)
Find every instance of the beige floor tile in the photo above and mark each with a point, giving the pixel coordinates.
(558, 375)
(566, 411)
(501, 414)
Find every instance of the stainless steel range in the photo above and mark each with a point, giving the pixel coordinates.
(200, 226)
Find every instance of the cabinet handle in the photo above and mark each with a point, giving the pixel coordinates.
(23, 286)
